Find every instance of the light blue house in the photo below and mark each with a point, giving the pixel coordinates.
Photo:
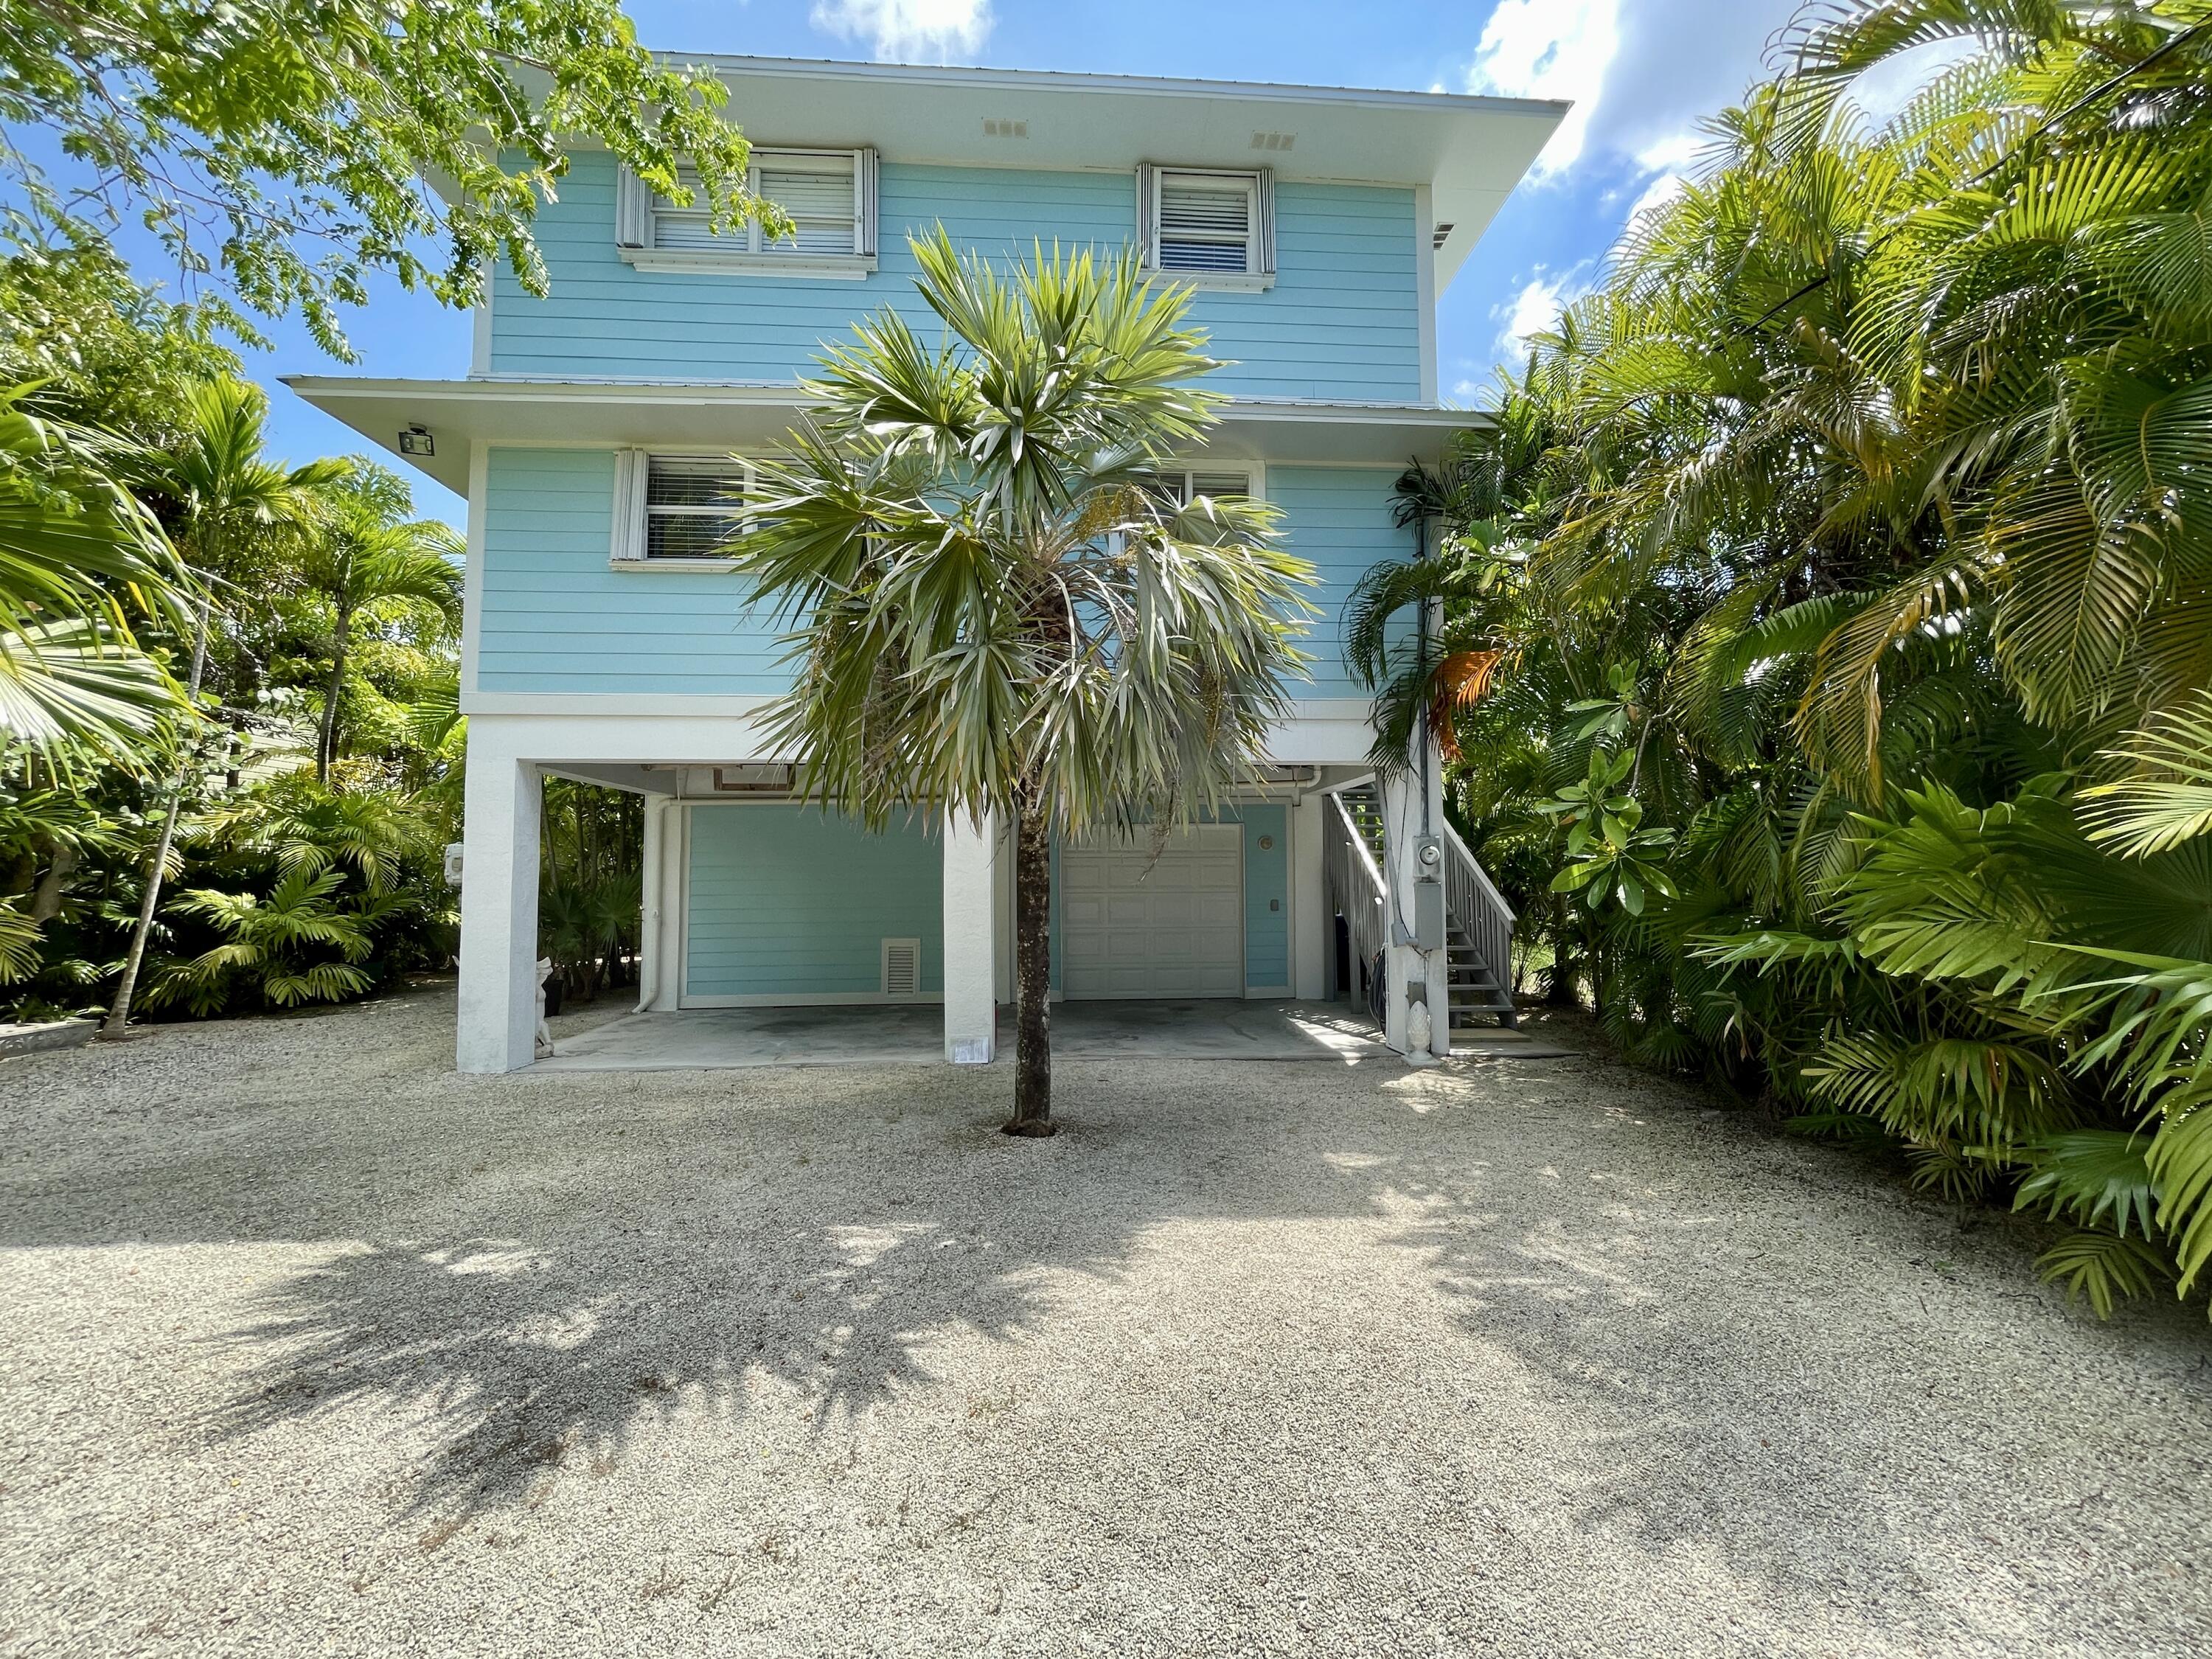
(598, 431)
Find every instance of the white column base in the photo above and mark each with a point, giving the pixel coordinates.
(971, 1007)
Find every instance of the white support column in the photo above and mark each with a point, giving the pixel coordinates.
(1309, 918)
(660, 981)
(498, 1013)
(1406, 965)
(971, 1009)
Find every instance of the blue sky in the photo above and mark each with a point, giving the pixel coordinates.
(1642, 73)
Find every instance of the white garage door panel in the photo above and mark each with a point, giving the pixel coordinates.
(1132, 925)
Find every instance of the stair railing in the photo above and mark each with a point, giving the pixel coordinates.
(1354, 885)
(1478, 908)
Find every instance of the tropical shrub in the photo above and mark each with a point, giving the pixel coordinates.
(1824, 622)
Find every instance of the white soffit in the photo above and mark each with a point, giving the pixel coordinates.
(1471, 151)
(596, 415)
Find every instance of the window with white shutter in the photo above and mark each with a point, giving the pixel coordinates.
(1204, 225)
(829, 196)
(677, 508)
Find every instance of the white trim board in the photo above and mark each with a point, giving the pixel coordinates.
(820, 999)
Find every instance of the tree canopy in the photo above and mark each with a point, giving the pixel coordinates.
(289, 148)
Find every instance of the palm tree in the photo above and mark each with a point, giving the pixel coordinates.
(75, 549)
(359, 560)
(997, 610)
(218, 486)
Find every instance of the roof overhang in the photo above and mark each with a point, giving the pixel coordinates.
(1470, 151)
(678, 415)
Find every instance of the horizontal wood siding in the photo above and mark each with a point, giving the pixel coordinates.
(557, 618)
(784, 900)
(1338, 519)
(1342, 321)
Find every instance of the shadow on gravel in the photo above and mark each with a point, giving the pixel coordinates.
(622, 1256)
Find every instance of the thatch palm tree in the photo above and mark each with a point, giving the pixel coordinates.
(219, 487)
(998, 610)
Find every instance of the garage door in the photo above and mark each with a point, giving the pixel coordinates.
(1134, 925)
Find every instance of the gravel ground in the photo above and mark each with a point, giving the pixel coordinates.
(311, 1346)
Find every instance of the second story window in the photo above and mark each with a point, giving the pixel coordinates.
(677, 509)
(1207, 225)
(829, 194)
(1183, 487)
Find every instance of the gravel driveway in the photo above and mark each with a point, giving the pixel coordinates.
(311, 1346)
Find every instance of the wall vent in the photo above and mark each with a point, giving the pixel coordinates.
(1274, 141)
(902, 967)
(1439, 237)
(1000, 127)
(753, 777)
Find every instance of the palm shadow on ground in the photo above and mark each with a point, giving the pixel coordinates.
(690, 1243)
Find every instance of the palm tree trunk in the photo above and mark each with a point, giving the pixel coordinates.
(118, 1012)
(326, 744)
(1032, 974)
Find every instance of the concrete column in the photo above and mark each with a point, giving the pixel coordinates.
(971, 1009)
(661, 945)
(1309, 917)
(1405, 965)
(498, 1015)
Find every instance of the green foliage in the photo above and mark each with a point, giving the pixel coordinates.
(283, 144)
(996, 610)
(1834, 581)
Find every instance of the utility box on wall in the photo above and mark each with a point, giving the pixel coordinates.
(1429, 894)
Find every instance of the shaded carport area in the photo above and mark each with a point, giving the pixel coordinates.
(1196, 1029)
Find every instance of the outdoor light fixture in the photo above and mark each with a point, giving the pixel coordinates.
(416, 441)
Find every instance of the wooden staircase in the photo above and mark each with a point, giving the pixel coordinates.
(1478, 923)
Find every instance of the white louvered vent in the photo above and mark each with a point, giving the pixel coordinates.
(902, 967)
(1000, 127)
(1208, 223)
(1274, 140)
(1440, 236)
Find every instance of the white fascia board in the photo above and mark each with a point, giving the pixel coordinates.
(713, 415)
(573, 733)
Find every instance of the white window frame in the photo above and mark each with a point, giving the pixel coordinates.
(633, 472)
(1184, 476)
(750, 253)
(1259, 272)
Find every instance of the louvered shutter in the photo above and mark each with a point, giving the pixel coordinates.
(1148, 196)
(866, 202)
(629, 537)
(1263, 229)
(633, 211)
(819, 192)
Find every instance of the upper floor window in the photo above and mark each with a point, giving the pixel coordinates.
(1184, 487)
(677, 508)
(829, 195)
(1207, 225)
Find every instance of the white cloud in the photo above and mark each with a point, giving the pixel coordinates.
(1550, 49)
(1535, 308)
(908, 30)
(1641, 75)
